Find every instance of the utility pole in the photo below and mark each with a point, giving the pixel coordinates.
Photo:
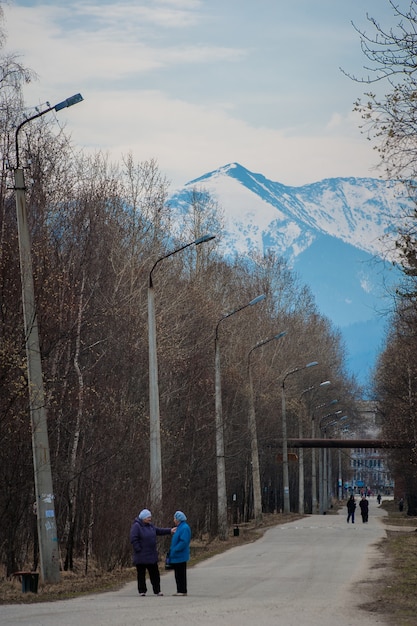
(220, 447)
(285, 473)
(45, 505)
(155, 455)
(256, 474)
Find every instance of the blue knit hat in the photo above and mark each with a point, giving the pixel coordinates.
(179, 515)
(144, 514)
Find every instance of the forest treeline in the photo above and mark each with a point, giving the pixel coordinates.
(389, 119)
(97, 229)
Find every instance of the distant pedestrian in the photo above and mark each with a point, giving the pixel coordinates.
(351, 506)
(145, 554)
(379, 498)
(364, 507)
(179, 552)
(401, 505)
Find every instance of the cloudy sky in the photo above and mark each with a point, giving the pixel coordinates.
(197, 84)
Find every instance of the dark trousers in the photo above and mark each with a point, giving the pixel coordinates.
(154, 576)
(180, 571)
(351, 514)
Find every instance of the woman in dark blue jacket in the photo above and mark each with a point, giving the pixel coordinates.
(180, 552)
(145, 554)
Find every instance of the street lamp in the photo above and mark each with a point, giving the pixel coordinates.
(45, 507)
(328, 460)
(256, 476)
(324, 500)
(325, 383)
(313, 462)
(339, 456)
(220, 461)
(155, 459)
(285, 438)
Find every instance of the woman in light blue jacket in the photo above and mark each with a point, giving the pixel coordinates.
(180, 552)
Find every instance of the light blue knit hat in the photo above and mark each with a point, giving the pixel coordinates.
(179, 515)
(144, 514)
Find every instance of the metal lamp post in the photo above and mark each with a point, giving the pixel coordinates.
(314, 503)
(256, 476)
(45, 507)
(220, 460)
(154, 418)
(340, 478)
(324, 500)
(328, 464)
(285, 476)
(301, 452)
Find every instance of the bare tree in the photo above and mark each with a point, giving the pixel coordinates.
(391, 119)
(97, 228)
(396, 389)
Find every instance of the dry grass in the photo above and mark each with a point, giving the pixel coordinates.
(72, 584)
(75, 583)
(394, 591)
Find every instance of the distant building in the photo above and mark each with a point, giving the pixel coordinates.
(368, 466)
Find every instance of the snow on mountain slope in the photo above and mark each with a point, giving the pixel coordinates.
(248, 215)
(338, 234)
(260, 212)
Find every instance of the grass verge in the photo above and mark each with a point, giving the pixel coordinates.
(394, 591)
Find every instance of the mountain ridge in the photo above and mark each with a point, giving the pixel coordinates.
(338, 234)
(331, 205)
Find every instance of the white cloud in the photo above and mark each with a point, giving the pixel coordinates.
(116, 50)
(188, 140)
(166, 79)
(335, 121)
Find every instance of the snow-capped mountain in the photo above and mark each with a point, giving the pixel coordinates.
(336, 233)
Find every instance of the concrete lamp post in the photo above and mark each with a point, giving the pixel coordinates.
(327, 466)
(285, 476)
(301, 451)
(256, 476)
(324, 500)
(45, 507)
(339, 460)
(220, 460)
(314, 503)
(155, 457)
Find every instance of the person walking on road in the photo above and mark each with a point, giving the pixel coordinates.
(364, 507)
(145, 554)
(179, 552)
(351, 506)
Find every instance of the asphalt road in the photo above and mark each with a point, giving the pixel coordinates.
(307, 572)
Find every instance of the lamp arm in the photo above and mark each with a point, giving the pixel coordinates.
(29, 119)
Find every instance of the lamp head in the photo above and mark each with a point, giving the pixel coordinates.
(256, 300)
(204, 238)
(69, 102)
